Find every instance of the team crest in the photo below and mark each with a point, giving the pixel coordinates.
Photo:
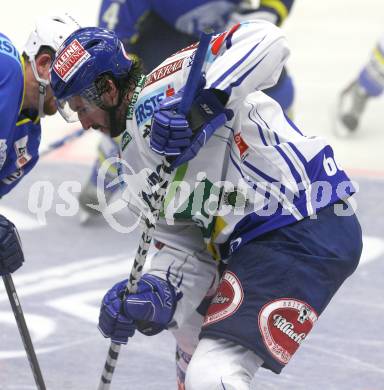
(284, 324)
(125, 140)
(227, 300)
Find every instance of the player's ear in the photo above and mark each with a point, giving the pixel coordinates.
(43, 63)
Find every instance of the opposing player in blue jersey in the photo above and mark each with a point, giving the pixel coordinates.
(353, 99)
(25, 97)
(155, 29)
(267, 200)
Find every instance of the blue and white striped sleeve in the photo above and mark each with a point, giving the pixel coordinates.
(247, 58)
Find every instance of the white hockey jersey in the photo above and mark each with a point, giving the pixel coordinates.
(258, 172)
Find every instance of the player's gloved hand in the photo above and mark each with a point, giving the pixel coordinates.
(11, 253)
(150, 309)
(174, 134)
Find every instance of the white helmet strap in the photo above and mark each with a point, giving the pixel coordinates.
(42, 87)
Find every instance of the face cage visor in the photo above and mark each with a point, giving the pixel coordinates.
(76, 107)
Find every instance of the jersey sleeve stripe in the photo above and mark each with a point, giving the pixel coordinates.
(274, 188)
(238, 82)
(301, 169)
(293, 126)
(277, 140)
(263, 135)
(235, 67)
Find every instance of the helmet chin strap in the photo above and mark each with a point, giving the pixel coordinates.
(42, 88)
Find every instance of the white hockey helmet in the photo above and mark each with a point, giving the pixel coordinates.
(50, 31)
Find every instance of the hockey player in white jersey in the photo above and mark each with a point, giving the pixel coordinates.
(155, 30)
(353, 99)
(268, 201)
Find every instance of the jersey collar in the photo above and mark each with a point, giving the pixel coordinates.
(135, 95)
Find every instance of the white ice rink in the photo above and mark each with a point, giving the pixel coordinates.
(69, 267)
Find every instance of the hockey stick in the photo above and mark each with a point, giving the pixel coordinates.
(190, 91)
(61, 142)
(24, 333)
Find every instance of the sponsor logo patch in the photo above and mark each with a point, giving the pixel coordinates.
(164, 71)
(145, 107)
(22, 152)
(241, 145)
(227, 300)
(284, 324)
(125, 139)
(70, 60)
(170, 91)
(234, 244)
(8, 49)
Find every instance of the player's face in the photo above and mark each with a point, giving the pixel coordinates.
(90, 115)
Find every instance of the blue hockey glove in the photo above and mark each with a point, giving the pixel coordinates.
(11, 253)
(149, 310)
(174, 134)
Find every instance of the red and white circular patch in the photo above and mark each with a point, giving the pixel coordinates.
(284, 324)
(228, 298)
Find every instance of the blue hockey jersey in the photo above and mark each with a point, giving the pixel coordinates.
(20, 130)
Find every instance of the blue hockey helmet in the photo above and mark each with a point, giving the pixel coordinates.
(83, 57)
